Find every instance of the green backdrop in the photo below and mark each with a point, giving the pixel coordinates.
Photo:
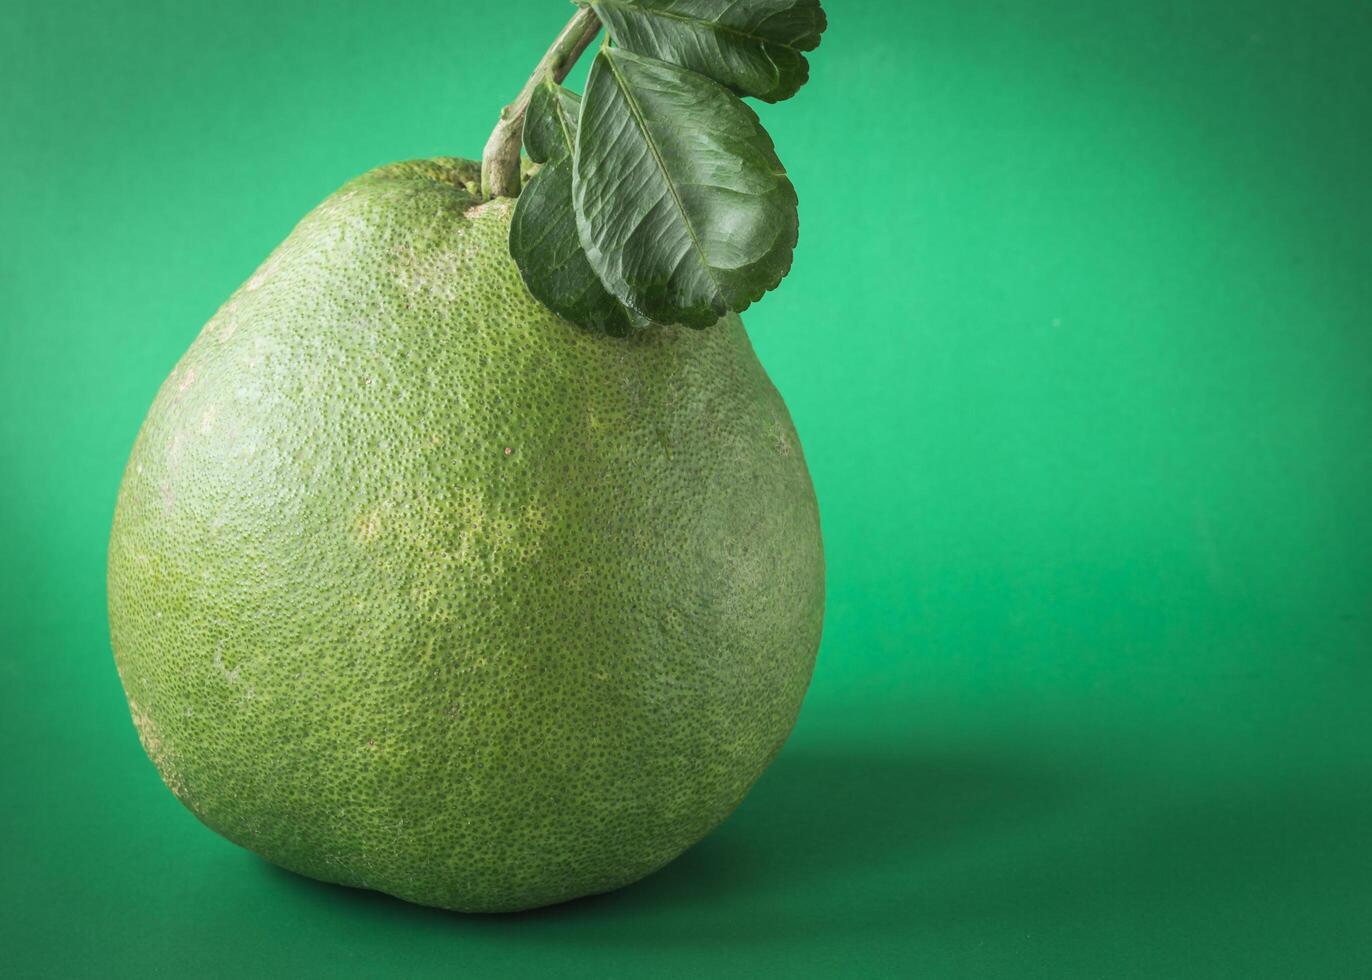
(1078, 343)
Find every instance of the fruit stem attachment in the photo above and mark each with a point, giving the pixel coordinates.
(500, 159)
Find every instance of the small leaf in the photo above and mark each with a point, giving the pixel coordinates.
(681, 203)
(550, 121)
(543, 235)
(755, 47)
(545, 246)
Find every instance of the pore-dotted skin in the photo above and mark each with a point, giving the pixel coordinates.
(416, 587)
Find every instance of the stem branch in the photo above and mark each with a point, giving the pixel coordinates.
(500, 159)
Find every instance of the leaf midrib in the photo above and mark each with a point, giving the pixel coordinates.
(568, 139)
(636, 113)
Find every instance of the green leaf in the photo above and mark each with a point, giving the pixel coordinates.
(550, 121)
(545, 246)
(543, 235)
(755, 47)
(682, 205)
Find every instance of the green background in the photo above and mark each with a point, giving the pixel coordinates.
(1078, 343)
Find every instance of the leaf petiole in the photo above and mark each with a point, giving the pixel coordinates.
(500, 158)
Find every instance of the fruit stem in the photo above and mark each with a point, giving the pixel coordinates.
(500, 159)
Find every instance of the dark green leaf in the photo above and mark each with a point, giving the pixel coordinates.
(543, 235)
(545, 246)
(681, 203)
(755, 47)
(550, 121)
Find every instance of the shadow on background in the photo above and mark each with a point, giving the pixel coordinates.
(818, 830)
(834, 845)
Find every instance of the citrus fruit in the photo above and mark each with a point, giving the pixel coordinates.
(414, 586)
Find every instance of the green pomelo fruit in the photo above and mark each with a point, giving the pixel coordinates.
(416, 587)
